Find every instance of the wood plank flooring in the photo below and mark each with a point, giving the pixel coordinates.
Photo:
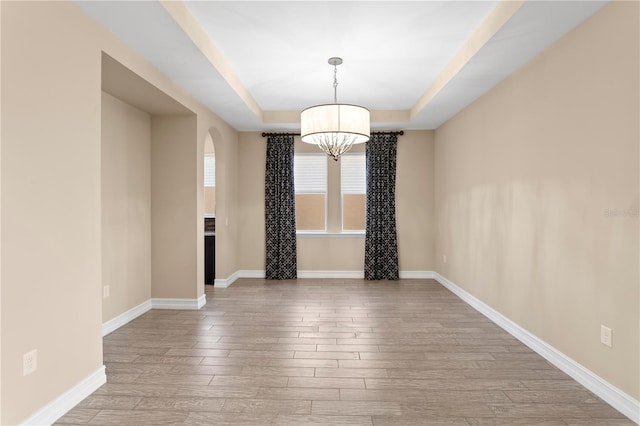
(342, 352)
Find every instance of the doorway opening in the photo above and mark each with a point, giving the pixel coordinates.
(209, 211)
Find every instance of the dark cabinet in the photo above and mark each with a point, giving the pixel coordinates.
(209, 259)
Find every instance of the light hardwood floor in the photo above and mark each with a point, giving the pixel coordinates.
(349, 352)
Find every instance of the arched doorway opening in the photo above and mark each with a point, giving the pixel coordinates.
(209, 198)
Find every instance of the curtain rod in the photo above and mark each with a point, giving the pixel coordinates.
(265, 134)
(395, 133)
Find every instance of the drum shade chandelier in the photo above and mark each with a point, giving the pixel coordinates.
(335, 127)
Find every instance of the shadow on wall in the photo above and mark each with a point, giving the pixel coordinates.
(508, 238)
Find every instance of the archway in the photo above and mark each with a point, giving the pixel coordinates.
(209, 201)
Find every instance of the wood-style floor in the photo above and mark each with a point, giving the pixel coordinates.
(348, 352)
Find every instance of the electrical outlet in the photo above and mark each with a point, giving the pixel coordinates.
(106, 291)
(29, 362)
(444, 258)
(606, 336)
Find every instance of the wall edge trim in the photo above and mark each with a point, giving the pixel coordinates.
(125, 317)
(614, 396)
(57, 408)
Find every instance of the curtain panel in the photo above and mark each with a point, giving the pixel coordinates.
(280, 209)
(381, 243)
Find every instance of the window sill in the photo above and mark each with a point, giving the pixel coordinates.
(346, 234)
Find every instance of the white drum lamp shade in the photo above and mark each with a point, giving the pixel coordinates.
(335, 127)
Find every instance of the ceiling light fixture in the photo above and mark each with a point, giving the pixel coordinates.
(335, 127)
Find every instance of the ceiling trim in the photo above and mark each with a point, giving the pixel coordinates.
(496, 19)
(391, 116)
(281, 117)
(377, 116)
(185, 20)
(493, 22)
(119, 81)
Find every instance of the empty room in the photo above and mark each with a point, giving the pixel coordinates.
(320, 212)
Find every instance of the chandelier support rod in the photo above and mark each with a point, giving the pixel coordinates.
(335, 83)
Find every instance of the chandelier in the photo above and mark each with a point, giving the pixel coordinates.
(335, 127)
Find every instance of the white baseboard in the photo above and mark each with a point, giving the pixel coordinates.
(416, 275)
(257, 273)
(615, 397)
(133, 313)
(125, 317)
(226, 282)
(360, 274)
(202, 300)
(57, 408)
(249, 273)
(186, 304)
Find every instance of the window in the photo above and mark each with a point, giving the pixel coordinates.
(310, 174)
(209, 183)
(330, 195)
(209, 170)
(353, 184)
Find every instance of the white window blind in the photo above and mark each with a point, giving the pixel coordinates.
(353, 179)
(209, 170)
(310, 173)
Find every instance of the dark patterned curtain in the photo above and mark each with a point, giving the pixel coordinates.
(381, 243)
(280, 209)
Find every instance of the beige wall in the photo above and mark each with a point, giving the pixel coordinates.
(126, 206)
(51, 298)
(228, 170)
(51, 257)
(173, 207)
(415, 201)
(251, 235)
(414, 209)
(0, 215)
(525, 179)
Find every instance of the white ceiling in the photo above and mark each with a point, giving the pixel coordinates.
(246, 59)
